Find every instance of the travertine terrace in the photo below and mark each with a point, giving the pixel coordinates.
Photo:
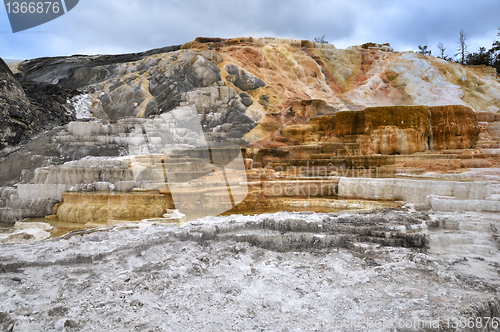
(307, 117)
(391, 161)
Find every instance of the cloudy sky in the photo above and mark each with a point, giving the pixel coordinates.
(124, 26)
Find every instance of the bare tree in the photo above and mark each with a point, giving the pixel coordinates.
(441, 49)
(462, 47)
(424, 50)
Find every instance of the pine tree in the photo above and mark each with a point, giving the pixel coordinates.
(423, 50)
(482, 57)
(494, 53)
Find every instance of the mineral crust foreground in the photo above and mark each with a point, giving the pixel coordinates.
(397, 153)
(272, 272)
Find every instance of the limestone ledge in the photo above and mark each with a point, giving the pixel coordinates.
(95, 207)
(411, 191)
(390, 130)
(440, 203)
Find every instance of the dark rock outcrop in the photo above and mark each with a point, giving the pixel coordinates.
(28, 108)
(145, 85)
(16, 116)
(79, 70)
(50, 103)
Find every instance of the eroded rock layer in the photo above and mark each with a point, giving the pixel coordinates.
(296, 108)
(453, 127)
(250, 125)
(268, 82)
(29, 108)
(399, 129)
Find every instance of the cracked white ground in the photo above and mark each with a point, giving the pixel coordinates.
(280, 272)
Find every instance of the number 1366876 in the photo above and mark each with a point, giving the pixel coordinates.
(32, 7)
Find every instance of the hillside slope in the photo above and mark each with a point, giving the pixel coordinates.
(237, 84)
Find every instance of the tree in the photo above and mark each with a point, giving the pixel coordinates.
(496, 44)
(441, 49)
(462, 47)
(424, 50)
(320, 39)
(482, 57)
(494, 53)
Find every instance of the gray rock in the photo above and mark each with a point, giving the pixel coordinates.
(207, 73)
(246, 99)
(242, 79)
(237, 117)
(214, 57)
(244, 128)
(6, 322)
(142, 86)
(226, 127)
(167, 84)
(125, 185)
(16, 116)
(235, 134)
(239, 106)
(214, 123)
(188, 57)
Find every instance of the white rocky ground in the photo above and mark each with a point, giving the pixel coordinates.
(281, 272)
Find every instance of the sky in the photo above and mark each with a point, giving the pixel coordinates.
(126, 26)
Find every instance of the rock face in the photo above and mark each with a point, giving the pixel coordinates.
(97, 207)
(310, 108)
(453, 127)
(148, 84)
(29, 108)
(402, 129)
(78, 71)
(16, 117)
(272, 81)
(242, 79)
(386, 130)
(363, 122)
(160, 86)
